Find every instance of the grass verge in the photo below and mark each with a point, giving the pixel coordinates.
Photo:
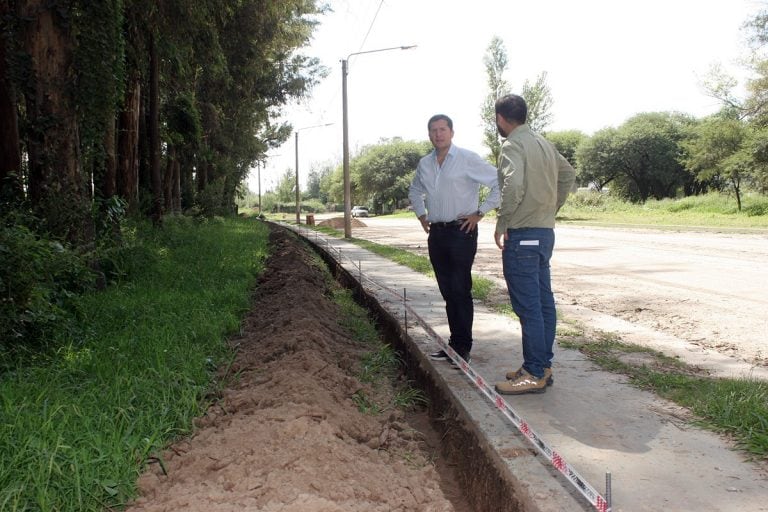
(736, 407)
(481, 286)
(707, 212)
(78, 425)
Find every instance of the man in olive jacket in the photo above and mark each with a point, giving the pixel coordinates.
(535, 181)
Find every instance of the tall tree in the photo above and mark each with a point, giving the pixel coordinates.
(153, 119)
(10, 149)
(538, 97)
(383, 172)
(641, 158)
(711, 153)
(566, 143)
(99, 62)
(598, 159)
(58, 189)
(495, 61)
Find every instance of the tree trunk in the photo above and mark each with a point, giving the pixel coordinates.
(10, 152)
(176, 185)
(187, 192)
(57, 187)
(168, 178)
(203, 169)
(145, 178)
(108, 186)
(154, 132)
(128, 144)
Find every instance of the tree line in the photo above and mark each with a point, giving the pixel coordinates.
(148, 107)
(113, 112)
(653, 155)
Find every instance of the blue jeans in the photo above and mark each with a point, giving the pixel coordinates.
(526, 258)
(452, 252)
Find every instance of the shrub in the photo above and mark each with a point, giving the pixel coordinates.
(38, 279)
(756, 210)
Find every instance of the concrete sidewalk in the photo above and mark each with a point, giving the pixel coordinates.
(595, 420)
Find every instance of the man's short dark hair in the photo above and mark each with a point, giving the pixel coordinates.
(439, 117)
(512, 108)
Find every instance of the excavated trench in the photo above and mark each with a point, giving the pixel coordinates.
(465, 458)
(287, 431)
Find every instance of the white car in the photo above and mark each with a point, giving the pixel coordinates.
(359, 211)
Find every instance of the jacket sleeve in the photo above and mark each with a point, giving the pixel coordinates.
(566, 177)
(511, 181)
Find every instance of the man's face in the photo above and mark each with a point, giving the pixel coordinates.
(440, 135)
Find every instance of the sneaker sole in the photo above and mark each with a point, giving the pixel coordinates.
(536, 391)
(550, 380)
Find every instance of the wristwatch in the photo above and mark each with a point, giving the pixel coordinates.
(479, 213)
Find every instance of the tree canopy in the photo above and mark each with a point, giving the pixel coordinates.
(162, 105)
(383, 172)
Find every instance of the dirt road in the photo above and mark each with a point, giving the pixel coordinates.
(708, 290)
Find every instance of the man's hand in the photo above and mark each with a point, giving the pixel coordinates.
(470, 222)
(424, 223)
(498, 237)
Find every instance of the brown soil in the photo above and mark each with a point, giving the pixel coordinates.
(286, 435)
(338, 223)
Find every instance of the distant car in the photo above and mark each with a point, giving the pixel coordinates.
(359, 211)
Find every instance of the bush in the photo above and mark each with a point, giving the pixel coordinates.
(757, 209)
(38, 279)
(590, 199)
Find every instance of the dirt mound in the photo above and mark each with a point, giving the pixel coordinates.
(338, 223)
(286, 436)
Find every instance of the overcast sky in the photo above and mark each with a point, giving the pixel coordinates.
(605, 60)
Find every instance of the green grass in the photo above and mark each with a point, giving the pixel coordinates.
(354, 318)
(78, 425)
(481, 286)
(707, 212)
(737, 407)
(413, 261)
(379, 366)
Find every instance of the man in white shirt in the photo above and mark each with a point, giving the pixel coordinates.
(445, 195)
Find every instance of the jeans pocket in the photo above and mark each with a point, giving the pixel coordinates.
(524, 257)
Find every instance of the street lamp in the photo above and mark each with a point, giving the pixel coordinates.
(298, 192)
(258, 170)
(347, 186)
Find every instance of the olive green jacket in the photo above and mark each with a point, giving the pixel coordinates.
(534, 179)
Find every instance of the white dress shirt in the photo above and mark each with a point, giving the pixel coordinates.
(451, 191)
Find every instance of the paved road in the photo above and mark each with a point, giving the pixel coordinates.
(709, 290)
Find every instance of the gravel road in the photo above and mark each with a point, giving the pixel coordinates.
(696, 293)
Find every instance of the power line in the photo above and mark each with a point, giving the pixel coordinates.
(371, 26)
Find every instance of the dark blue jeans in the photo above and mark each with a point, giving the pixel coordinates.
(452, 252)
(526, 258)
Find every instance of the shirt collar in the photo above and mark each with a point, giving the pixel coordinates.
(451, 151)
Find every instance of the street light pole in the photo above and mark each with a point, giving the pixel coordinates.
(298, 191)
(345, 153)
(258, 170)
(345, 159)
